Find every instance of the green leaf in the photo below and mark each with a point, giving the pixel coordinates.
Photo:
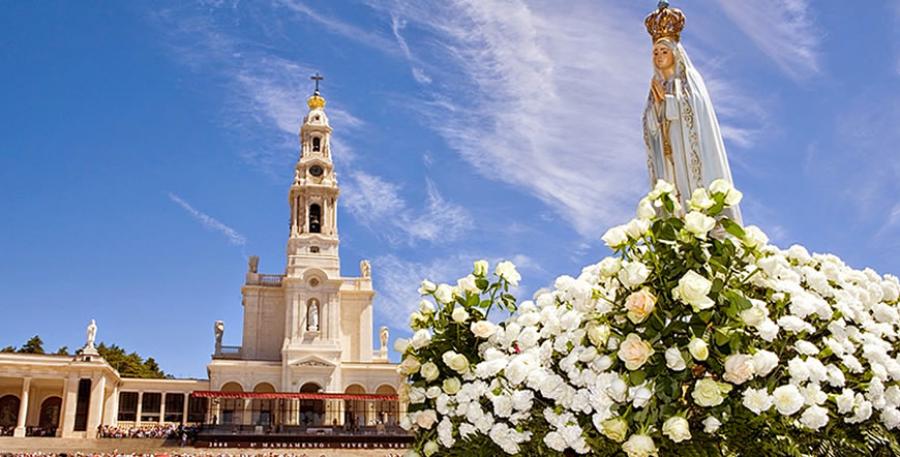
(732, 228)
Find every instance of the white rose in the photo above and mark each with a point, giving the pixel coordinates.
(444, 293)
(456, 361)
(677, 429)
(721, 186)
(700, 200)
(640, 446)
(615, 237)
(755, 314)
(764, 362)
(754, 237)
(555, 441)
(699, 349)
(634, 351)
(507, 271)
(674, 360)
(693, 289)
(409, 365)
(460, 315)
(636, 228)
(426, 419)
(711, 425)
(426, 287)
(788, 399)
(420, 339)
(645, 209)
(483, 329)
(430, 371)
(815, 417)
(698, 224)
(757, 400)
(610, 266)
(768, 330)
(615, 429)
(661, 187)
(598, 334)
(430, 448)
(481, 268)
(451, 386)
(708, 393)
(426, 307)
(639, 305)
(468, 284)
(633, 274)
(738, 368)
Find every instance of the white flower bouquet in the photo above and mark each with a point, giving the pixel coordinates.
(696, 338)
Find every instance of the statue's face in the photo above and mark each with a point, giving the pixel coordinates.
(662, 56)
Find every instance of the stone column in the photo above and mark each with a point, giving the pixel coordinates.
(111, 416)
(186, 408)
(62, 409)
(162, 407)
(140, 406)
(69, 404)
(95, 410)
(23, 408)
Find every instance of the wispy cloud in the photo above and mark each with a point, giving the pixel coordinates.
(342, 28)
(783, 29)
(377, 203)
(418, 73)
(544, 99)
(209, 222)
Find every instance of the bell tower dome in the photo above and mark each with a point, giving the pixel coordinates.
(313, 241)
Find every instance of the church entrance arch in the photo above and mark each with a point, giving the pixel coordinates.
(387, 411)
(355, 410)
(9, 412)
(232, 409)
(263, 410)
(49, 414)
(312, 412)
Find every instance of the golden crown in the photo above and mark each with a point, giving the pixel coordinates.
(665, 22)
(316, 101)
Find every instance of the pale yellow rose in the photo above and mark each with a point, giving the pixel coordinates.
(634, 351)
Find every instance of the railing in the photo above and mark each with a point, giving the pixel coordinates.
(228, 352)
(265, 280)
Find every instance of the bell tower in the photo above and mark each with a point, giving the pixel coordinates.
(313, 241)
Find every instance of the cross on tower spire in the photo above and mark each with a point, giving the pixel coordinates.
(317, 77)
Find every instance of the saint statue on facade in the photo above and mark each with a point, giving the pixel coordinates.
(219, 329)
(313, 316)
(681, 131)
(365, 268)
(91, 334)
(383, 336)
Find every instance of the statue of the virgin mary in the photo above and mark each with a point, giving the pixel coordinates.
(684, 144)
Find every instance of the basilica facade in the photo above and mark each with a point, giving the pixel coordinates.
(307, 353)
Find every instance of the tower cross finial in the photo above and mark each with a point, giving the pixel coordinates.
(317, 77)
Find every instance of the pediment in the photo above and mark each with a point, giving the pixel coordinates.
(313, 361)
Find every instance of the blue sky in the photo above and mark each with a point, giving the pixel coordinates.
(146, 149)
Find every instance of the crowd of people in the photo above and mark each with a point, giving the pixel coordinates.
(144, 431)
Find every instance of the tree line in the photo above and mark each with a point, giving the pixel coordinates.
(129, 365)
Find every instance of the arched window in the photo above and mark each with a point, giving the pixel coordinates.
(312, 412)
(48, 419)
(317, 144)
(315, 218)
(9, 410)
